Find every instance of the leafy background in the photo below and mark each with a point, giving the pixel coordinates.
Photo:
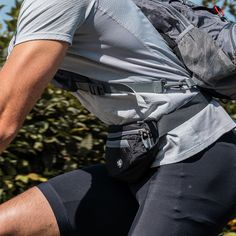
(59, 135)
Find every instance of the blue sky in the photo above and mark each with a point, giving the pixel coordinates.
(8, 4)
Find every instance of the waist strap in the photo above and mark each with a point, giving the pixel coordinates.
(74, 82)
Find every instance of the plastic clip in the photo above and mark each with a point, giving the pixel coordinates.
(96, 89)
(145, 136)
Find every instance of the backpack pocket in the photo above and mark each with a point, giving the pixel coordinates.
(227, 41)
(203, 40)
(203, 57)
(130, 150)
(208, 63)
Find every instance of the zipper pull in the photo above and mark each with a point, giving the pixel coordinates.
(218, 11)
(145, 136)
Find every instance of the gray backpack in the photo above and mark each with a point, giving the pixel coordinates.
(203, 40)
(201, 37)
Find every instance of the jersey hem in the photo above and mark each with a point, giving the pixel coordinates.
(44, 36)
(198, 148)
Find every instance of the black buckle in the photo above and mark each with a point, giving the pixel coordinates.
(96, 89)
(65, 81)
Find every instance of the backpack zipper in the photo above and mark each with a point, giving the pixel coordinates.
(122, 133)
(144, 134)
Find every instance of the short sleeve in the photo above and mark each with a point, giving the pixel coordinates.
(51, 19)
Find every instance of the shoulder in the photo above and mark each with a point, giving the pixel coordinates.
(54, 19)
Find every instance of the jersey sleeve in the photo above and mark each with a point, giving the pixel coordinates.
(51, 19)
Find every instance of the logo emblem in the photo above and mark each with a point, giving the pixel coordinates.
(119, 163)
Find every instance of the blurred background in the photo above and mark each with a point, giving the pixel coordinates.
(59, 135)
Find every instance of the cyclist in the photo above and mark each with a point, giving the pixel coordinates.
(189, 188)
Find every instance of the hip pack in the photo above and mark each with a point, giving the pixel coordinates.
(131, 148)
(202, 38)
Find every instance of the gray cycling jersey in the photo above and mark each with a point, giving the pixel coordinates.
(113, 41)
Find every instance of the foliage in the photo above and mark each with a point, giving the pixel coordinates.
(58, 136)
(10, 29)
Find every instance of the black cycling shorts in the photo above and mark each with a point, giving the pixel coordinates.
(195, 197)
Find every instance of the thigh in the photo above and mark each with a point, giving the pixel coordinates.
(191, 198)
(88, 202)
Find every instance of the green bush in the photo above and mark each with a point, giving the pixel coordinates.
(58, 136)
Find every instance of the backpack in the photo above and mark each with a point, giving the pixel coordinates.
(202, 38)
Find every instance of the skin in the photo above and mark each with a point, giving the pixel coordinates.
(28, 214)
(23, 78)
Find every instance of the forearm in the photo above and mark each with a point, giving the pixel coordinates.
(17, 98)
(23, 79)
(8, 129)
(12, 114)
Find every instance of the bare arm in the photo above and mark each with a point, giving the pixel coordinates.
(23, 79)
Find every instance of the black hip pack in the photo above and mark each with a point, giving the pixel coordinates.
(132, 148)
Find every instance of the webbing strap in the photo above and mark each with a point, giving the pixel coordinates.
(182, 114)
(74, 82)
(168, 122)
